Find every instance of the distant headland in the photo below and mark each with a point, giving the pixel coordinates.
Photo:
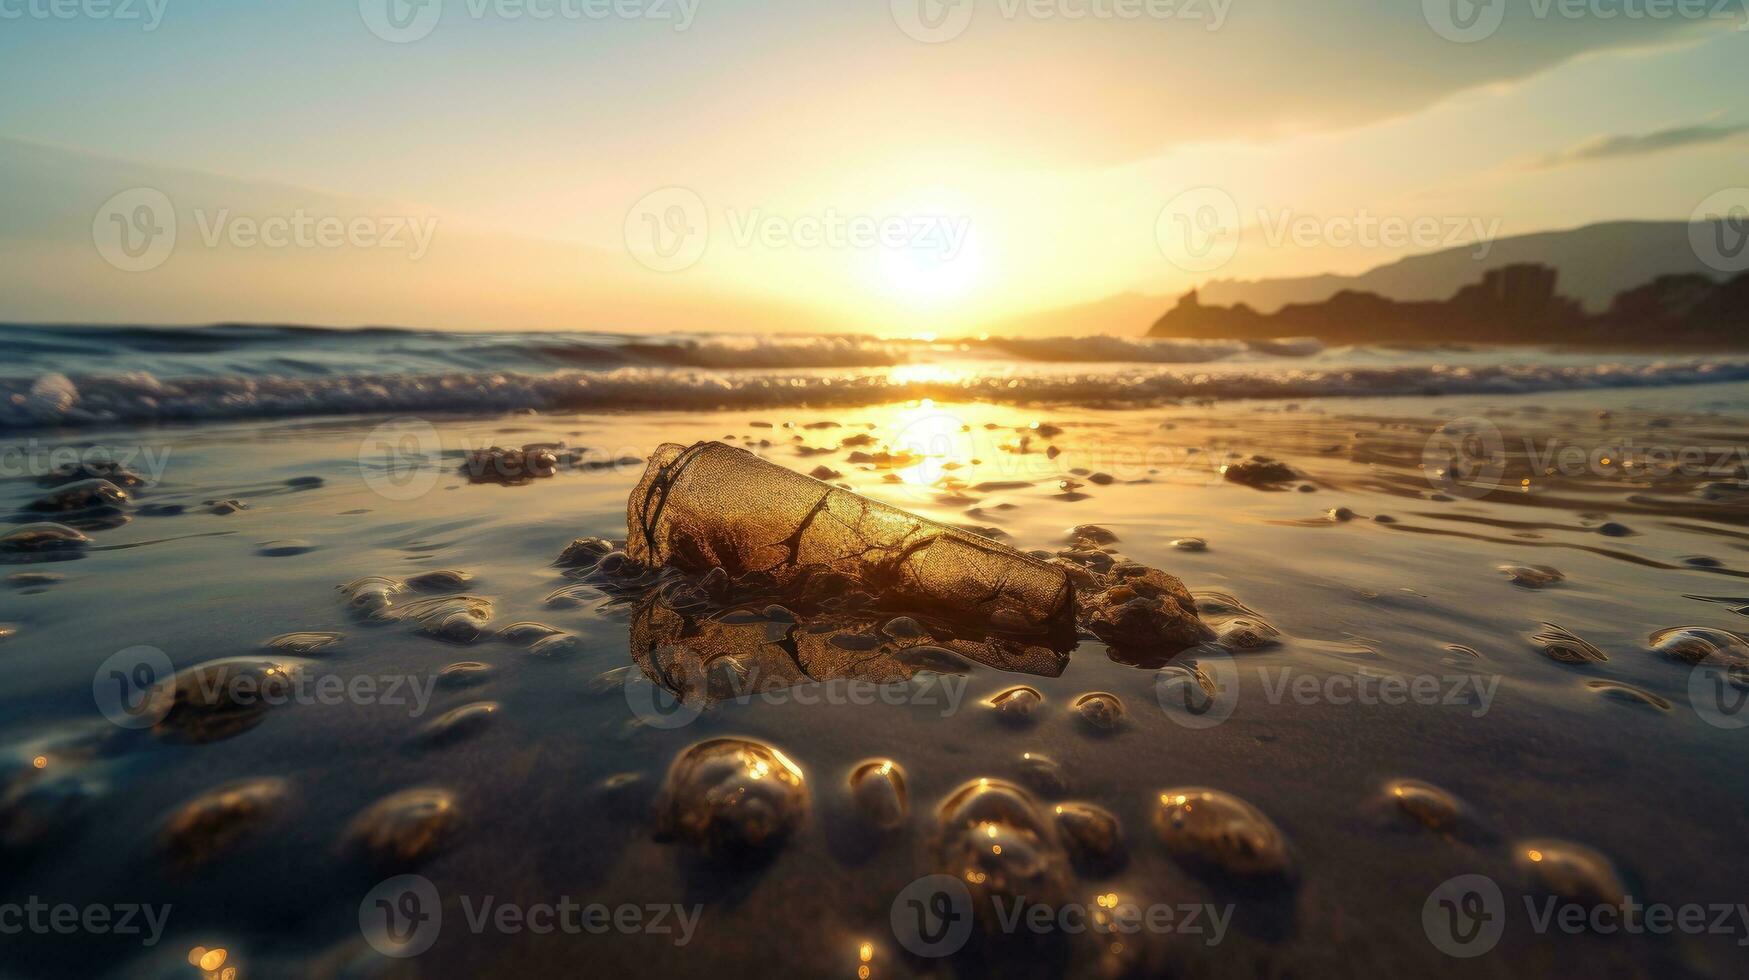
(1514, 304)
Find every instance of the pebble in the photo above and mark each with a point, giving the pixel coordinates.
(1259, 472)
(1190, 544)
(1532, 576)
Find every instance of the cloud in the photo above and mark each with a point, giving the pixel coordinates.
(1643, 144)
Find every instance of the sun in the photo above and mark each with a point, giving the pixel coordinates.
(939, 258)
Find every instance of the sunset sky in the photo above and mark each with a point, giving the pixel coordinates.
(1023, 157)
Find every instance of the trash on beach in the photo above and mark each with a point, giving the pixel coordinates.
(714, 506)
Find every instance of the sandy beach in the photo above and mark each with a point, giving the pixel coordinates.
(1495, 638)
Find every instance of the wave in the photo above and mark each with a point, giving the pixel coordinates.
(298, 351)
(60, 400)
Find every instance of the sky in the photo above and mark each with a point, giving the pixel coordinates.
(895, 166)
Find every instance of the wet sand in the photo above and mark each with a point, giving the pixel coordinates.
(1557, 718)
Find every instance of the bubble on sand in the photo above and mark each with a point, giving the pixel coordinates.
(1628, 694)
(304, 644)
(1210, 830)
(1425, 805)
(1092, 836)
(459, 723)
(527, 633)
(440, 580)
(732, 799)
(42, 538)
(1101, 712)
(1701, 644)
(994, 839)
(83, 495)
(1570, 871)
(1043, 775)
(402, 830)
(1017, 705)
(878, 789)
(466, 673)
(220, 699)
(214, 822)
(585, 553)
(226, 507)
(1564, 646)
(1532, 576)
